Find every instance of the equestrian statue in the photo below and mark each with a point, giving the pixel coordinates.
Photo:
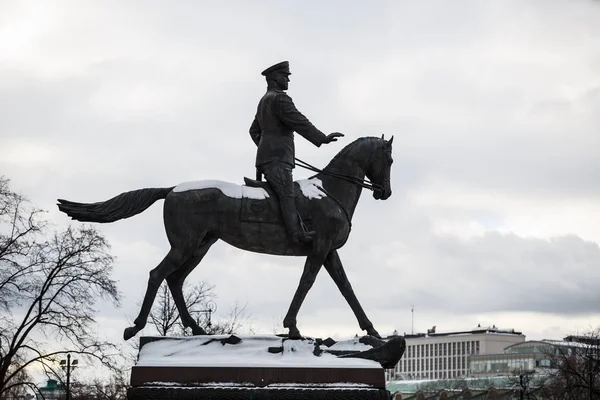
(262, 217)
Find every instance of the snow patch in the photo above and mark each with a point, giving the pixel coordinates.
(311, 188)
(227, 188)
(252, 351)
(353, 344)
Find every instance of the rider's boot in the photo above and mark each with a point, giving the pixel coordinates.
(295, 228)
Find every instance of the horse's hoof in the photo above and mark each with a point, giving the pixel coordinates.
(294, 333)
(130, 332)
(197, 331)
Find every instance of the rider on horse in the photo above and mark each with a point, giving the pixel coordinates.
(273, 132)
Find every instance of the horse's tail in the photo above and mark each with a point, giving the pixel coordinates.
(122, 206)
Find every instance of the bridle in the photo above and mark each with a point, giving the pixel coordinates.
(348, 178)
(364, 183)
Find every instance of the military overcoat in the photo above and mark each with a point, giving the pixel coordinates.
(272, 130)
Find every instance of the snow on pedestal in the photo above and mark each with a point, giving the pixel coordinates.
(251, 351)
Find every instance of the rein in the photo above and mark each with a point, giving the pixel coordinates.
(348, 178)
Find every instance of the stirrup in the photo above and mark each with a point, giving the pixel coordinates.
(306, 233)
(304, 236)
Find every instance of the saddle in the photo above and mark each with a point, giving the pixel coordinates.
(266, 210)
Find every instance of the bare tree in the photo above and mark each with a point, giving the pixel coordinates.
(49, 284)
(164, 315)
(576, 364)
(20, 390)
(529, 384)
(199, 299)
(19, 227)
(232, 323)
(572, 372)
(115, 388)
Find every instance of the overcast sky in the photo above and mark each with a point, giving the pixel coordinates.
(494, 105)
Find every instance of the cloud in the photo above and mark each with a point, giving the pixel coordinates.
(494, 107)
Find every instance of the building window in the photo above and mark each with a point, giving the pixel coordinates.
(468, 347)
(462, 348)
(427, 350)
(477, 347)
(436, 349)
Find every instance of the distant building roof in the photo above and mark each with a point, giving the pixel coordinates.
(51, 385)
(478, 330)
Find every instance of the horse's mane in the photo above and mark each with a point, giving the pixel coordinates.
(356, 147)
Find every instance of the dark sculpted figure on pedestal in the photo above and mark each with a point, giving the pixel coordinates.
(261, 217)
(273, 133)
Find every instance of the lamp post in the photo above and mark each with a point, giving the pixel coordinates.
(211, 307)
(68, 366)
(522, 386)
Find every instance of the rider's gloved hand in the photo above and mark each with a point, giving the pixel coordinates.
(332, 137)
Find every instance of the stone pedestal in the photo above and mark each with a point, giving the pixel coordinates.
(247, 393)
(253, 367)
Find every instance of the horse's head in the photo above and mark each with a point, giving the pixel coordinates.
(378, 170)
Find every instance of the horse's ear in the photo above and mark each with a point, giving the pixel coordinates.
(382, 136)
(390, 141)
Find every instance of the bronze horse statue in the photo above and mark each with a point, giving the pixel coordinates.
(197, 214)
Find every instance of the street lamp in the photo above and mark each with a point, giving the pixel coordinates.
(68, 365)
(211, 307)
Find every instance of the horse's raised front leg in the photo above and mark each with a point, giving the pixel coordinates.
(176, 280)
(169, 264)
(311, 268)
(334, 266)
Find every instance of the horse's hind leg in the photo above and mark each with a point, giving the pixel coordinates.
(175, 282)
(170, 263)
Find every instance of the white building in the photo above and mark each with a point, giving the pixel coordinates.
(533, 356)
(446, 355)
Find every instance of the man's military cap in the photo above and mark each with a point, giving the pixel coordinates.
(283, 66)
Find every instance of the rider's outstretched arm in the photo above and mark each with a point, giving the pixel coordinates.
(289, 114)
